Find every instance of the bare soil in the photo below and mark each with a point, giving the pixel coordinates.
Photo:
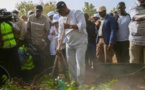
(128, 77)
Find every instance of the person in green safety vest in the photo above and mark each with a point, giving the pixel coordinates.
(26, 58)
(8, 49)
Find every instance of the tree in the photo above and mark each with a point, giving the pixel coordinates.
(49, 6)
(113, 10)
(24, 7)
(89, 9)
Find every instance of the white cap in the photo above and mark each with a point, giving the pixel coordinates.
(96, 15)
(55, 18)
(50, 13)
(29, 12)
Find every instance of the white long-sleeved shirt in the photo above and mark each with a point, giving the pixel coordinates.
(53, 40)
(74, 37)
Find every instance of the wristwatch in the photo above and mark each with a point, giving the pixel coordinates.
(70, 26)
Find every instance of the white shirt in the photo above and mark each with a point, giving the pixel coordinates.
(100, 28)
(53, 40)
(123, 29)
(74, 37)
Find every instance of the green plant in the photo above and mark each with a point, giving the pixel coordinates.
(48, 83)
(9, 85)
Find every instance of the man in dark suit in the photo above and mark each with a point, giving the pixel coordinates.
(106, 36)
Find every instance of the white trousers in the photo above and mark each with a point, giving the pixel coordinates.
(76, 61)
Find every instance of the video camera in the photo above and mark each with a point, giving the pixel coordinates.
(7, 16)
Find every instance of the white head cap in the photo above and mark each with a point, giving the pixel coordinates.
(30, 12)
(50, 13)
(55, 18)
(96, 15)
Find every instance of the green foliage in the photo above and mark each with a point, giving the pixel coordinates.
(9, 85)
(106, 86)
(47, 83)
(25, 6)
(113, 10)
(89, 8)
(49, 6)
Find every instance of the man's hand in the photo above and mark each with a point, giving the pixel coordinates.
(97, 23)
(53, 32)
(43, 44)
(66, 26)
(110, 46)
(58, 51)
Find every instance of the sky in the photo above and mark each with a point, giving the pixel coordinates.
(72, 4)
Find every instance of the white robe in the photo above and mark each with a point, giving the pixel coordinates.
(53, 40)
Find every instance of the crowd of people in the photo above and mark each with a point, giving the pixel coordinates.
(86, 42)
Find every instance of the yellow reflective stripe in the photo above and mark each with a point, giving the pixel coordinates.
(27, 68)
(9, 43)
(8, 36)
(5, 28)
(20, 48)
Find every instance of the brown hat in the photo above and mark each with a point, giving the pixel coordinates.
(101, 8)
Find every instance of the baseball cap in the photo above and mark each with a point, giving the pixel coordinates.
(59, 5)
(101, 8)
(96, 15)
(50, 13)
(55, 18)
(39, 7)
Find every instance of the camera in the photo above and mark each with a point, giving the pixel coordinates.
(7, 16)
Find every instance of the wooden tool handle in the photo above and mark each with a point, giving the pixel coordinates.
(63, 33)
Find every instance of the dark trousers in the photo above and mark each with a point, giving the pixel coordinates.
(10, 60)
(91, 55)
(41, 61)
(122, 51)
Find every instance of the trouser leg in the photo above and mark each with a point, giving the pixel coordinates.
(16, 62)
(125, 52)
(80, 59)
(135, 53)
(108, 54)
(87, 58)
(100, 51)
(71, 60)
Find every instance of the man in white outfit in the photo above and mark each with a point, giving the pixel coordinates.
(73, 22)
